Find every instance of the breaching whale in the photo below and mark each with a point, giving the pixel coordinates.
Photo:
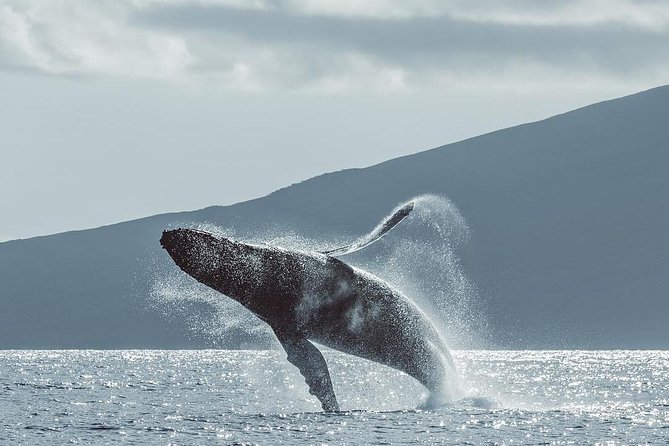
(313, 296)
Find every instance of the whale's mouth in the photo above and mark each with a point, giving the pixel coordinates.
(172, 239)
(164, 239)
(177, 242)
(182, 237)
(194, 252)
(187, 246)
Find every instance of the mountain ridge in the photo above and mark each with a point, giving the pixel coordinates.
(348, 169)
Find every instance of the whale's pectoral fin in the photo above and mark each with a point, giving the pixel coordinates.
(308, 359)
(379, 231)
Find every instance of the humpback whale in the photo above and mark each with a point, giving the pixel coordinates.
(307, 296)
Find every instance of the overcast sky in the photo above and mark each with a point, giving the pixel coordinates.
(117, 109)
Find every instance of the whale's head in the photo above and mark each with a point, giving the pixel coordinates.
(197, 253)
(217, 262)
(183, 243)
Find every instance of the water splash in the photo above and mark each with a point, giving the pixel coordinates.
(418, 257)
(208, 315)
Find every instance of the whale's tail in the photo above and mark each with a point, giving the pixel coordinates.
(379, 231)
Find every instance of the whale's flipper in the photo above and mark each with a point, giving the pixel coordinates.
(379, 231)
(308, 359)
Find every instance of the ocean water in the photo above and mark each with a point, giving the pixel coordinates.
(256, 397)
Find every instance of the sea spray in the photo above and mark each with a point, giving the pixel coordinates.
(418, 257)
(217, 320)
(220, 321)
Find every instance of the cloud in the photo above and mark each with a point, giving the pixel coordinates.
(338, 46)
(76, 37)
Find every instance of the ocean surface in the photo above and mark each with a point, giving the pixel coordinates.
(256, 397)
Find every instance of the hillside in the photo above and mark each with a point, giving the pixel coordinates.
(568, 249)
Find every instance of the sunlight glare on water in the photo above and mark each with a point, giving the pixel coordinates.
(256, 397)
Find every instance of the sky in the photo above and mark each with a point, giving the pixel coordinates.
(115, 110)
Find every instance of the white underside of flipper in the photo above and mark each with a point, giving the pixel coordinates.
(379, 231)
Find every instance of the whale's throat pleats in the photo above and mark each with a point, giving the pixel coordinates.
(240, 270)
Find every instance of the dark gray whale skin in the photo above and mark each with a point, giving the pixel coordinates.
(310, 296)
